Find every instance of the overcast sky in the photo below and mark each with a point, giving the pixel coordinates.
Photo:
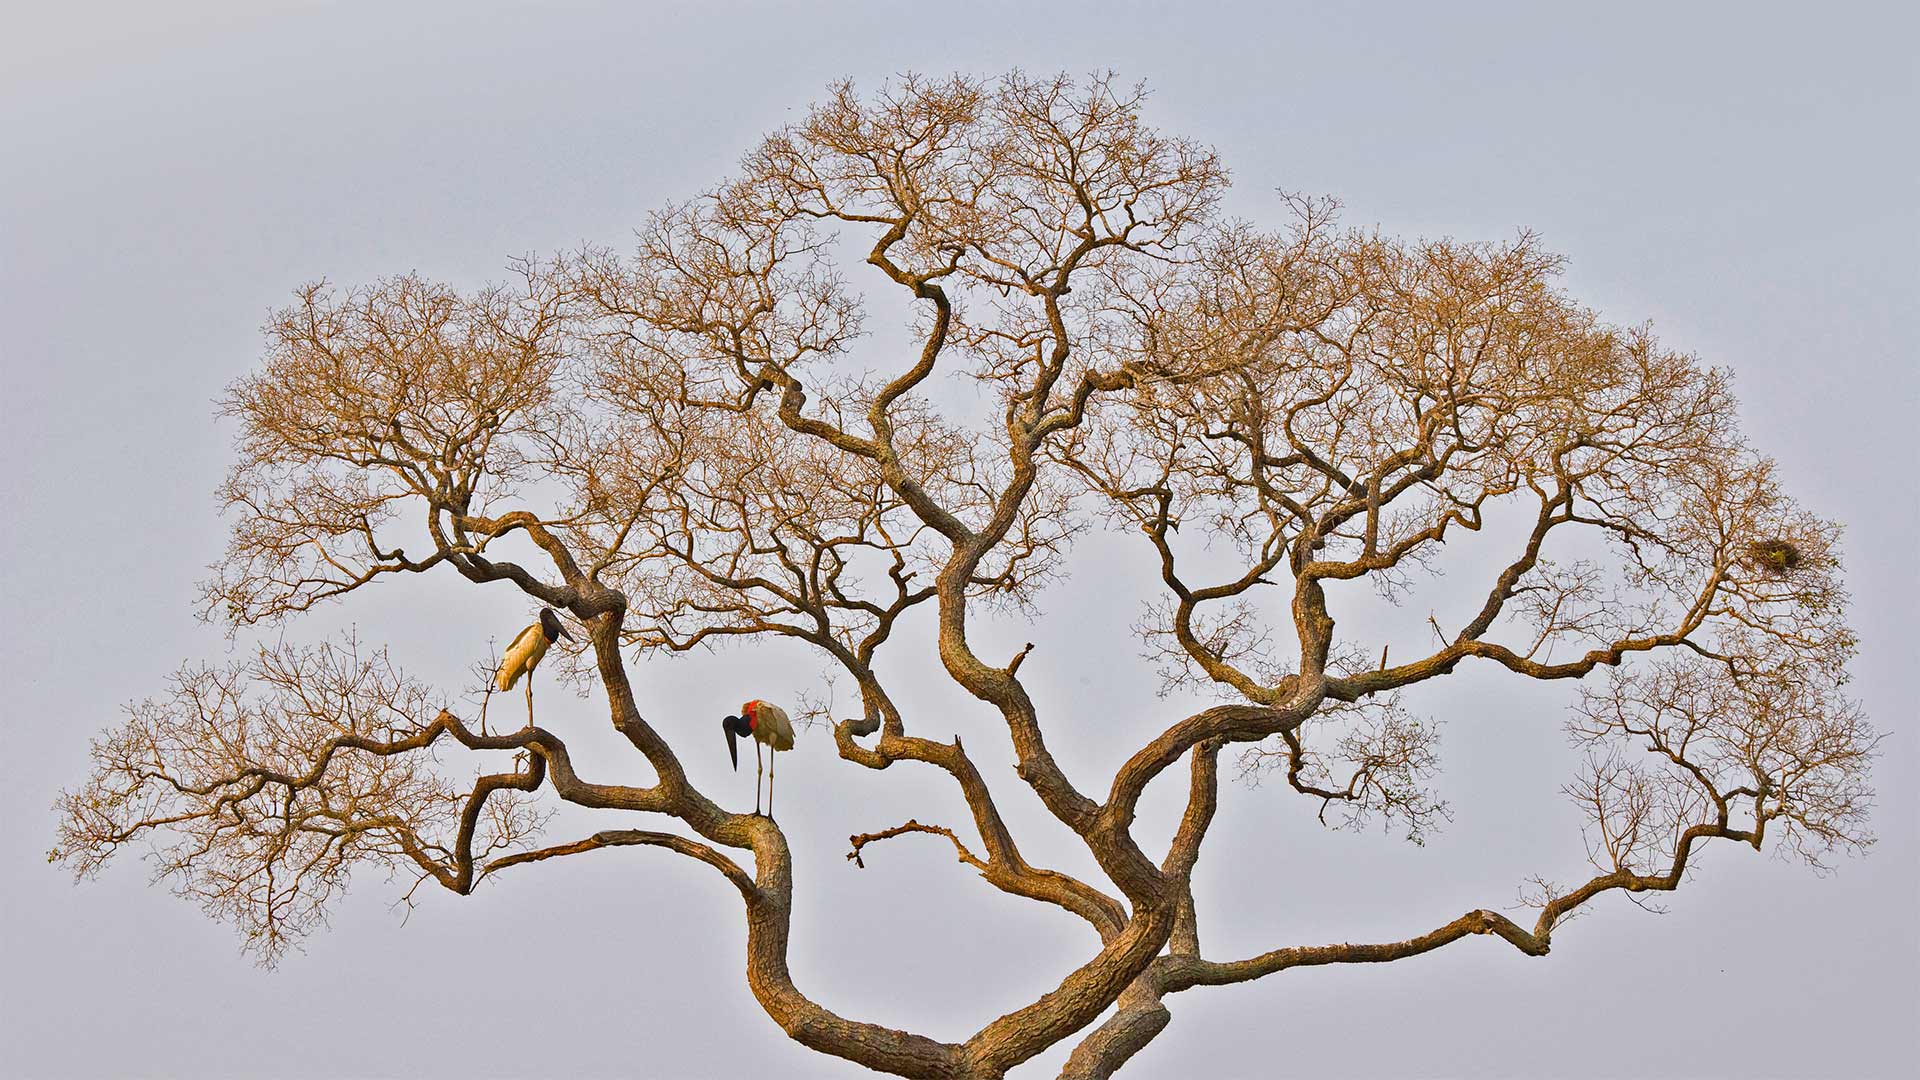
(1743, 175)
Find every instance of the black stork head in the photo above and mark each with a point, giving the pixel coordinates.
(550, 625)
(736, 728)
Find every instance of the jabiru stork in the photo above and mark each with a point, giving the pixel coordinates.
(524, 653)
(766, 724)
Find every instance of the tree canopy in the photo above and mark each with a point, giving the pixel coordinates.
(696, 440)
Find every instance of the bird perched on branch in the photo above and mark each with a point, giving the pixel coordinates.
(763, 723)
(524, 654)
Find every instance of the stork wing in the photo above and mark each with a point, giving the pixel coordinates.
(513, 662)
(520, 637)
(778, 727)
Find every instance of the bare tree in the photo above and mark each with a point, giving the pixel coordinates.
(685, 436)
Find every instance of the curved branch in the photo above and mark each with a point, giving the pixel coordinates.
(627, 837)
(1183, 972)
(863, 839)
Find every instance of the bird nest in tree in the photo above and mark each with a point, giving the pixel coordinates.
(1774, 556)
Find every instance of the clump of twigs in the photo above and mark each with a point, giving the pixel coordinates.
(1774, 556)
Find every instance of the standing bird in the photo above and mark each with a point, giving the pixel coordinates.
(524, 654)
(763, 723)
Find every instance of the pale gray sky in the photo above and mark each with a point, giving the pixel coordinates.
(1744, 175)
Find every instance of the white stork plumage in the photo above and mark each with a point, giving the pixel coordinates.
(524, 653)
(766, 724)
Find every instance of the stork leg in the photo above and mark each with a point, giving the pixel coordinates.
(529, 699)
(756, 776)
(773, 758)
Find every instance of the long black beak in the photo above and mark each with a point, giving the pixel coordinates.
(733, 745)
(564, 634)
